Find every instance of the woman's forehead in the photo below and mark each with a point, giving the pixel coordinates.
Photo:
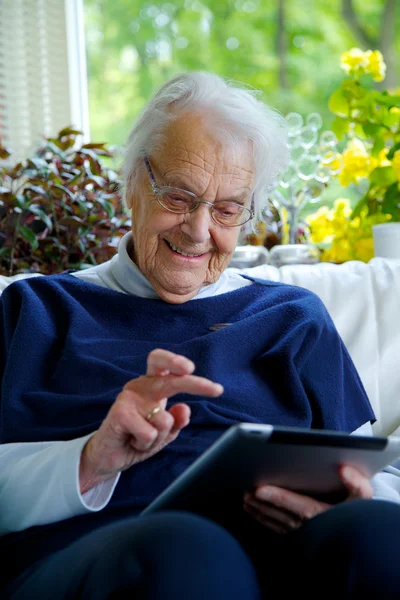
(190, 150)
(197, 177)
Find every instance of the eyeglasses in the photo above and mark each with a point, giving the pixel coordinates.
(175, 200)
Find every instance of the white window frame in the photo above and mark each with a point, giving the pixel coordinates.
(78, 89)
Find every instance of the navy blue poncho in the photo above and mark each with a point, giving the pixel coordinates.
(68, 347)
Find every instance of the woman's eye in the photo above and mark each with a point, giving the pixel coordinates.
(176, 198)
(228, 211)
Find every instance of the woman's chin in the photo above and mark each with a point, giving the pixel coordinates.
(175, 297)
(175, 291)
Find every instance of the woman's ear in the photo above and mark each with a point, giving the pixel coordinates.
(128, 200)
(134, 182)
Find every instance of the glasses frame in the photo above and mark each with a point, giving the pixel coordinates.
(157, 190)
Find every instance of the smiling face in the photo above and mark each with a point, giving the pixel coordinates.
(180, 253)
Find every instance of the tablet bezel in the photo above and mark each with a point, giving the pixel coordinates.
(248, 455)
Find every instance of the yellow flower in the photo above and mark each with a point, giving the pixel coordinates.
(396, 163)
(354, 61)
(376, 65)
(342, 238)
(340, 216)
(342, 207)
(364, 249)
(383, 161)
(336, 164)
(339, 252)
(357, 163)
(327, 224)
(395, 110)
(357, 62)
(320, 225)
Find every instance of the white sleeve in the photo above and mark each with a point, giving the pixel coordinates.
(39, 484)
(386, 483)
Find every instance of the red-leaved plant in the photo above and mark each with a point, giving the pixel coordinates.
(61, 208)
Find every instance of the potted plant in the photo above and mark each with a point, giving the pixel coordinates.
(61, 208)
(367, 121)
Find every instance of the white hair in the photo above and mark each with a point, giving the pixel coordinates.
(240, 117)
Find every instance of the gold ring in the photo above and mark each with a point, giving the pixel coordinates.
(153, 412)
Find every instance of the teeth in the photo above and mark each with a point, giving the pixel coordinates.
(179, 251)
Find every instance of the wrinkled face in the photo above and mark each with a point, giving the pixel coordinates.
(191, 159)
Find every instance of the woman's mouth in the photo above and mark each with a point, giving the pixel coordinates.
(182, 252)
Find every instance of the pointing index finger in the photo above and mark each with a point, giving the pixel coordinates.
(158, 388)
(189, 384)
(160, 362)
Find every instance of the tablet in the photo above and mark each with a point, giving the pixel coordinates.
(248, 455)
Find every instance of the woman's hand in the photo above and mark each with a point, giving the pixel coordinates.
(283, 510)
(126, 437)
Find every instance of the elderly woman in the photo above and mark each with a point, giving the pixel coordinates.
(116, 378)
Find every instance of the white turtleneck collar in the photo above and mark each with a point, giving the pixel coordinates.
(122, 275)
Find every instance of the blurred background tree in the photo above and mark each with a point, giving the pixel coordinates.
(288, 49)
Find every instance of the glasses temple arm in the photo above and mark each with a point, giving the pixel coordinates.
(150, 174)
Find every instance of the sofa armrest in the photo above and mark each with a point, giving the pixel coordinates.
(363, 300)
(5, 281)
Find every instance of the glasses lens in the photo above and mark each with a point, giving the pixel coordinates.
(176, 200)
(230, 213)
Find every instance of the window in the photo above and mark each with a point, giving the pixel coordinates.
(42, 71)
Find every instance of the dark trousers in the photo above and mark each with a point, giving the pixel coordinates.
(350, 551)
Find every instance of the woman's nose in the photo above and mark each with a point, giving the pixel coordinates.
(197, 224)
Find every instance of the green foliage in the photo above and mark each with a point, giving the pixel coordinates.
(133, 46)
(368, 121)
(60, 209)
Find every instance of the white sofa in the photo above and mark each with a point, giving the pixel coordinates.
(364, 302)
